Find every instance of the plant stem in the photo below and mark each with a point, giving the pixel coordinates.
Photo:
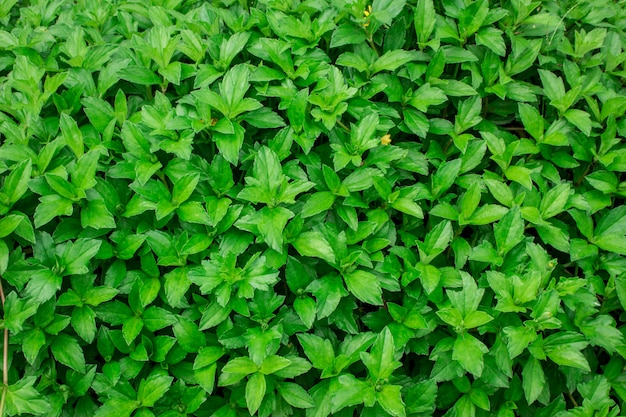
(572, 399)
(342, 125)
(5, 358)
(582, 177)
(373, 45)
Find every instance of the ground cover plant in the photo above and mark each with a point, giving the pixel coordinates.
(312, 208)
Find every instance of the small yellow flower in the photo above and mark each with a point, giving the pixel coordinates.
(366, 14)
(385, 140)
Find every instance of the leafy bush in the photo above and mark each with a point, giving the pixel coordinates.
(285, 207)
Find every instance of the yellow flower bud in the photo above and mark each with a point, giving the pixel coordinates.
(366, 14)
(385, 140)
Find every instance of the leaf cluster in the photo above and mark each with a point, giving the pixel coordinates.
(312, 208)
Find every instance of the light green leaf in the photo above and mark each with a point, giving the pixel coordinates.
(153, 388)
(533, 379)
(255, 391)
(318, 203)
(469, 351)
(385, 10)
(380, 360)
(314, 244)
(67, 351)
(425, 19)
(390, 399)
(117, 408)
(71, 134)
(22, 398)
(295, 395)
(564, 348)
(555, 200)
(509, 231)
(392, 60)
(365, 286)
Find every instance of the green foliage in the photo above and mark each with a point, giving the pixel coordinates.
(313, 208)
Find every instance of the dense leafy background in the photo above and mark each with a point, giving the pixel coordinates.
(287, 207)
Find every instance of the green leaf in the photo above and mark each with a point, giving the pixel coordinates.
(314, 244)
(50, 207)
(611, 243)
(518, 339)
(84, 323)
(271, 223)
(438, 239)
(445, 176)
(488, 213)
(552, 85)
(604, 181)
(273, 364)
(612, 223)
(84, 175)
(469, 351)
(427, 96)
(390, 399)
(117, 407)
(97, 215)
(67, 351)
(519, 174)
(420, 397)
(409, 207)
(4, 256)
(77, 255)
(532, 121)
(491, 38)
(241, 365)
(22, 398)
(471, 200)
(306, 309)
(264, 185)
(554, 201)
(346, 34)
(156, 318)
(468, 115)
(8, 224)
(580, 119)
(131, 329)
(416, 121)
(318, 350)
(71, 134)
(380, 360)
(188, 335)
(365, 286)
(318, 203)
(425, 19)
(138, 75)
(564, 348)
(295, 395)
(176, 285)
(509, 231)
(385, 10)
(153, 388)
(392, 60)
(255, 391)
(351, 391)
(533, 379)
(230, 144)
(16, 183)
